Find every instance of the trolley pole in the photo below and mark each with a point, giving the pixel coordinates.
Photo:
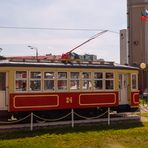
(31, 123)
(108, 115)
(72, 118)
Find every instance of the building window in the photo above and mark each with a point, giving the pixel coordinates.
(62, 81)
(98, 80)
(35, 81)
(75, 81)
(134, 81)
(86, 81)
(21, 81)
(49, 79)
(109, 80)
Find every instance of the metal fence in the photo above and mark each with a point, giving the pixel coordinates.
(72, 115)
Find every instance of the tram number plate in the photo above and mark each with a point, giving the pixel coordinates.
(69, 100)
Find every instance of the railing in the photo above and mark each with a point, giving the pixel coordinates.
(72, 114)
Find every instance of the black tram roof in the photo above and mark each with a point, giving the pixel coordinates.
(89, 65)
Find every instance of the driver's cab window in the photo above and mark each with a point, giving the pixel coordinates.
(2, 81)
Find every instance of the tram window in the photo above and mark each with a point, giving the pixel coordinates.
(49, 81)
(109, 84)
(87, 84)
(120, 81)
(109, 75)
(98, 75)
(74, 85)
(2, 81)
(21, 81)
(21, 74)
(35, 81)
(74, 75)
(49, 75)
(109, 80)
(34, 75)
(98, 84)
(21, 85)
(62, 75)
(86, 75)
(48, 84)
(35, 85)
(62, 84)
(74, 82)
(134, 81)
(98, 80)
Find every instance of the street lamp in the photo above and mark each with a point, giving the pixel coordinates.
(34, 48)
(142, 66)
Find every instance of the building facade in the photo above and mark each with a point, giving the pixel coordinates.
(123, 47)
(138, 38)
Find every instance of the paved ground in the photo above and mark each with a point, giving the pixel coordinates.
(144, 108)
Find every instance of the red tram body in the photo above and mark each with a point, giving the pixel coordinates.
(45, 86)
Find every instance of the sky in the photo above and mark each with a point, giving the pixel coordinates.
(62, 23)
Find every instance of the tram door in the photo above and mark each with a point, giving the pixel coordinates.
(3, 93)
(123, 88)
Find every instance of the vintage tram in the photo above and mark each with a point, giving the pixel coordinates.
(29, 86)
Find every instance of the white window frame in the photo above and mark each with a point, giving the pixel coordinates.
(31, 79)
(66, 79)
(75, 79)
(54, 79)
(87, 79)
(97, 79)
(113, 79)
(25, 79)
(136, 82)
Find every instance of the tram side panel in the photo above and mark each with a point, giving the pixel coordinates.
(53, 101)
(134, 99)
(67, 100)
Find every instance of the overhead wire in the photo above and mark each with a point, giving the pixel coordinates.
(55, 29)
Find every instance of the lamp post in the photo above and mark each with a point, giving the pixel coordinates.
(34, 48)
(142, 66)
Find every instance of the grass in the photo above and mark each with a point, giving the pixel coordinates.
(120, 135)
